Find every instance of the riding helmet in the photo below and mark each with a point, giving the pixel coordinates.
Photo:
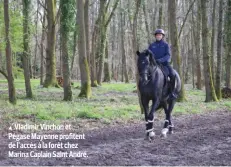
(159, 31)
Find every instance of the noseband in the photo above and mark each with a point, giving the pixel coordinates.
(149, 71)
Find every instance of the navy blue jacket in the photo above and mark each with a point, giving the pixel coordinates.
(161, 51)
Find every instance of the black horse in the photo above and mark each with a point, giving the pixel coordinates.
(154, 86)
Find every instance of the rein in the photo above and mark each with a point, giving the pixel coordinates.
(149, 73)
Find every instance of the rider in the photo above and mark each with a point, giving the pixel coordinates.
(161, 52)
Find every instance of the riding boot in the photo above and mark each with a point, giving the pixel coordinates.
(172, 95)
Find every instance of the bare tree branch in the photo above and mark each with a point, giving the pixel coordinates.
(4, 74)
(107, 5)
(43, 5)
(186, 16)
(112, 12)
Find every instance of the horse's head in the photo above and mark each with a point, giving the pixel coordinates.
(145, 62)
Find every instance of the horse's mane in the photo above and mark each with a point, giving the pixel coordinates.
(151, 57)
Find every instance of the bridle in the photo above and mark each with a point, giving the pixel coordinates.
(149, 72)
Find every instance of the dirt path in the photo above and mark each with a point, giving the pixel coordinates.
(198, 140)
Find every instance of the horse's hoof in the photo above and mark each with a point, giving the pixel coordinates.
(164, 132)
(147, 138)
(151, 139)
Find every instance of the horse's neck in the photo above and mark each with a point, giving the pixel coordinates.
(152, 68)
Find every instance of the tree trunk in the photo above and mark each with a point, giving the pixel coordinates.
(50, 79)
(197, 41)
(160, 21)
(146, 23)
(83, 63)
(107, 73)
(135, 47)
(74, 45)
(104, 22)
(114, 37)
(35, 67)
(213, 38)
(86, 20)
(153, 22)
(1, 60)
(209, 88)
(11, 88)
(186, 64)
(94, 82)
(175, 45)
(66, 14)
(227, 42)
(228, 69)
(101, 51)
(193, 61)
(60, 68)
(124, 60)
(26, 52)
(219, 56)
(96, 44)
(30, 66)
(42, 49)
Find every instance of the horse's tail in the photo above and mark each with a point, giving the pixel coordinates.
(177, 88)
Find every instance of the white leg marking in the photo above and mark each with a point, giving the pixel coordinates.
(149, 130)
(164, 132)
(152, 134)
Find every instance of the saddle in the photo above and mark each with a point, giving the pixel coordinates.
(166, 73)
(167, 82)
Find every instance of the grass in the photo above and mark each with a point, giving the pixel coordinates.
(114, 101)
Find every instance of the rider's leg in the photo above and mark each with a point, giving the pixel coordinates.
(172, 81)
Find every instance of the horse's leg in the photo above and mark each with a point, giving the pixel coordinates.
(150, 128)
(170, 108)
(166, 123)
(145, 105)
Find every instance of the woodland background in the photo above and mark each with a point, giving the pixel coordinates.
(73, 62)
(95, 41)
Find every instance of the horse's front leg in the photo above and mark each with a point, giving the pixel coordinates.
(145, 104)
(150, 129)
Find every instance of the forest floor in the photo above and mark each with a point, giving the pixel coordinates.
(203, 139)
(114, 127)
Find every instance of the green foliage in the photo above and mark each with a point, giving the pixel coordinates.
(109, 103)
(68, 21)
(18, 72)
(228, 104)
(67, 18)
(89, 115)
(16, 26)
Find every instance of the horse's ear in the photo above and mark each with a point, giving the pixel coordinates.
(148, 52)
(137, 53)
